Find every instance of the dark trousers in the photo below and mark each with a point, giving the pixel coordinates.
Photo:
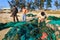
(15, 18)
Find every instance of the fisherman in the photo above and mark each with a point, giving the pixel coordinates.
(14, 13)
(41, 19)
(24, 10)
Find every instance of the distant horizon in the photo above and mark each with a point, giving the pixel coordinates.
(5, 4)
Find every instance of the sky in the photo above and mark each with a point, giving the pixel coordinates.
(4, 4)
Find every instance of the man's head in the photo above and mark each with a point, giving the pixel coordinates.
(23, 7)
(42, 13)
(14, 6)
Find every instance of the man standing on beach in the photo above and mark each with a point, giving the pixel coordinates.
(24, 10)
(14, 13)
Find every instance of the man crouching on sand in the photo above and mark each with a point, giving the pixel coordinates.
(41, 19)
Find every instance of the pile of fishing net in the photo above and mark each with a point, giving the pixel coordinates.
(30, 15)
(55, 21)
(7, 25)
(55, 24)
(53, 18)
(2, 26)
(29, 31)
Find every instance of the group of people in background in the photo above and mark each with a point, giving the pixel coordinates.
(41, 16)
(14, 11)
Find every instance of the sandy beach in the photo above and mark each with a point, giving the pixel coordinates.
(5, 17)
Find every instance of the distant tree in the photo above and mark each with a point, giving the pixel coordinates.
(36, 3)
(39, 3)
(30, 5)
(10, 4)
(18, 3)
(48, 3)
(42, 4)
(56, 4)
(59, 4)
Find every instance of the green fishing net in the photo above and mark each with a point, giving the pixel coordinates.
(28, 31)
